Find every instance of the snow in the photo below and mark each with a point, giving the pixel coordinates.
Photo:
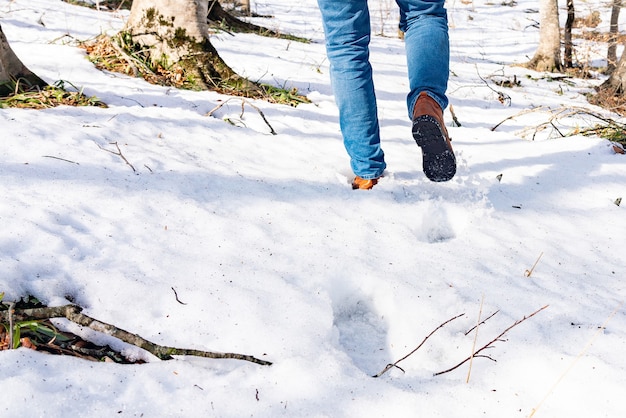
(275, 256)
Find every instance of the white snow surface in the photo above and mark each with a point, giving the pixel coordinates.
(275, 256)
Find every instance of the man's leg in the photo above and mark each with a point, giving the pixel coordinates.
(425, 25)
(347, 28)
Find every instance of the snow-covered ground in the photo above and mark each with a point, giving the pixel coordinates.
(275, 256)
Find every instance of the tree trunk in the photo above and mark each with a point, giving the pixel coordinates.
(175, 34)
(611, 55)
(219, 15)
(548, 54)
(567, 35)
(615, 85)
(13, 72)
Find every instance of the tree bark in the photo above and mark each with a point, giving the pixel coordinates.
(567, 35)
(611, 56)
(74, 314)
(548, 54)
(219, 15)
(175, 34)
(615, 85)
(13, 71)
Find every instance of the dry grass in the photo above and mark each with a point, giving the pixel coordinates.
(117, 54)
(48, 97)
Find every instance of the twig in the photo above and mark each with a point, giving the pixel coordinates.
(176, 296)
(218, 107)
(488, 345)
(528, 273)
(118, 153)
(73, 313)
(272, 131)
(131, 61)
(482, 322)
(59, 158)
(523, 112)
(503, 98)
(392, 365)
(243, 102)
(562, 113)
(454, 118)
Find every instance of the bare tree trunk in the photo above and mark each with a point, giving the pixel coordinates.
(567, 35)
(615, 85)
(548, 54)
(12, 70)
(611, 56)
(219, 15)
(176, 35)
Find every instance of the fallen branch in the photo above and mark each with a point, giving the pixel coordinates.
(392, 365)
(503, 98)
(243, 103)
(61, 159)
(566, 112)
(118, 153)
(73, 313)
(489, 344)
(176, 296)
(523, 112)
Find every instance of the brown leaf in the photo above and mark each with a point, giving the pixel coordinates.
(27, 343)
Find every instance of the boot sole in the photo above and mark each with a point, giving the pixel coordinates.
(438, 160)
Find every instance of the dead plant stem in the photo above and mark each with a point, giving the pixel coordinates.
(480, 312)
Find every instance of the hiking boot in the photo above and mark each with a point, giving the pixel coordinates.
(430, 134)
(363, 184)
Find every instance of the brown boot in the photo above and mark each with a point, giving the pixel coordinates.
(363, 184)
(430, 134)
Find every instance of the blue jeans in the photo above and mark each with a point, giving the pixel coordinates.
(347, 28)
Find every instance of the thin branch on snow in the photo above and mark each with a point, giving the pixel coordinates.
(482, 322)
(523, 112)
(243, 103)
(176, 296)
(61, 159)
(392, 365)
(563, 113)
(489, 344)
(73, 313)
(503, 98)
(118, 153)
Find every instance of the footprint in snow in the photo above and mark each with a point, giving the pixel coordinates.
(362, 335)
